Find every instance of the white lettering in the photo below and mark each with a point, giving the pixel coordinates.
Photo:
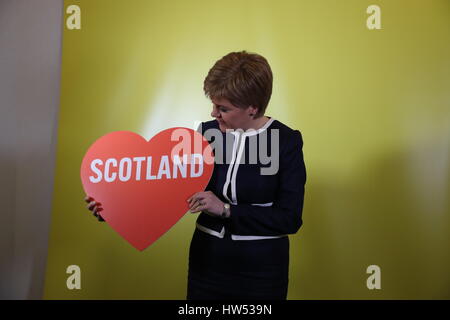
(374, 281)
(195, 310)
(125, 177)
(193, 165)
(110, 178)
(181, 165)
(74, 281)
(138, 166)
(164, 167)
(373, 21)
(149, 169)
(178, 168)
(96, 170)
(74, 20)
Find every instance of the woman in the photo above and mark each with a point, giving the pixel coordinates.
(240, 247)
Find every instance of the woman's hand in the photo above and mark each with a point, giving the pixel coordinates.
(94, 207)
(206, 201)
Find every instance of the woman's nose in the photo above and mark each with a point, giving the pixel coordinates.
(214, 113)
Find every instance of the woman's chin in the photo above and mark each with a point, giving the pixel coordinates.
(222, 127)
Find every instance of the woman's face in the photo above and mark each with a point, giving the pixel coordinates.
(230, 117)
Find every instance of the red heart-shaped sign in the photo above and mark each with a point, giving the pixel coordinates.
(143, 186)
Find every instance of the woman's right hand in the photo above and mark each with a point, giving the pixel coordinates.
(94, 207)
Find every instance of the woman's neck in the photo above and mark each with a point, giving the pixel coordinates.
(257, 124)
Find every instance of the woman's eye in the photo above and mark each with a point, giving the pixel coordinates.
(223, 110)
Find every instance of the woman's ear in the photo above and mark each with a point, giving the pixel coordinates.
(252, 111)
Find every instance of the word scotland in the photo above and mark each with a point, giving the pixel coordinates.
(141, 168)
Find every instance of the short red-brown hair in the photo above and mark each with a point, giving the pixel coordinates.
(245, 79)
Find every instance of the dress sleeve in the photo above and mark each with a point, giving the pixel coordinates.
(285, 214)
(200, 128)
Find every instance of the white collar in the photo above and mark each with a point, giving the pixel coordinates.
(253, 132)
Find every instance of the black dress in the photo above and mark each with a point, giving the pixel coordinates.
(247, 255)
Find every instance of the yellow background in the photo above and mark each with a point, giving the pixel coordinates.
(373, 107)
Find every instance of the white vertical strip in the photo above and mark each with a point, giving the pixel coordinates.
(230, 167)
(236, 167)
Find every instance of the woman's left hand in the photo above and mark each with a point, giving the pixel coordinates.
(206, 201)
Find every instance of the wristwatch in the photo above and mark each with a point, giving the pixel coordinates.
(226, 211)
